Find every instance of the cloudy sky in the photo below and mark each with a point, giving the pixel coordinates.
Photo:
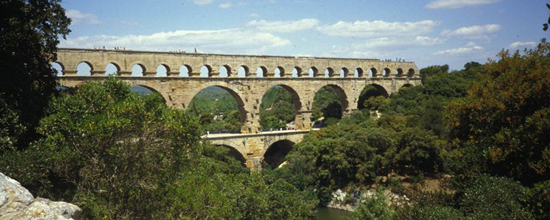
(429, 32)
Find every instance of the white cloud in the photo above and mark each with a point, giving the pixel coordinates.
(253, 15)
(378, 28)
(453, 4)
(211, 41)
(81, 17)
(522, 44)
(468, 48)
(284, 26)
(473, 32)
(225, 5)
(201, 2)
(386, 42)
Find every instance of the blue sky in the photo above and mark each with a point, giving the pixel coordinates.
(429, 32)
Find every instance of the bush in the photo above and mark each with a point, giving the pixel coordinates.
(374, 207)
(438, 213)
(488, 197)
(539, 200)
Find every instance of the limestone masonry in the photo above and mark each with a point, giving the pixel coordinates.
(346, 75)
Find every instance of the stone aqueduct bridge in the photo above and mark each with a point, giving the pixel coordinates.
(347, 76)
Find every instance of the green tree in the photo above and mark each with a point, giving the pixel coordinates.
(503, 123)
(374, 207)
(112, 151)
(29, 34)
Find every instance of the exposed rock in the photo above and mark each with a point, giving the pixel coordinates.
(16, 202)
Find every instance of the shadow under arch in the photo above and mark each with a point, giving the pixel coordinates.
(144, 90)
(295, 98)
(234, 153)
(275, 155)
(371, 90)
(239, 101)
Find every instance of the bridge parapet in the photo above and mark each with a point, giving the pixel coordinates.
(69, 59)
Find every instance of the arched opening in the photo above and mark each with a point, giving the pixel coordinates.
(225, 71)
(329, 72)
(407, 85)
(297, 72)
(138, 70)
(235, 154)
(328, 107)
(220, 110)
(399, 72)
(372, 97)
(279, 72)
(313, 71)
(206, 71)
(358, 72)
(184, 71)
(151, 93)
(275, 155)
(278, 108)
(344, 72)
(373, 72)
(411, 72)
(162, 70)
(112, 69)
(261, 71)
(243, 71)
(58, 68)
(84, 69)
(387, 72)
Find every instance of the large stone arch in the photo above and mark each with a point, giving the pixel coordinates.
(234, 91)
(342, 95)
(296, 98)
(164, 98)
(380, 90)
(276, 153)
(235, 153)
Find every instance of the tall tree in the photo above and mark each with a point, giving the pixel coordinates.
(29, 31)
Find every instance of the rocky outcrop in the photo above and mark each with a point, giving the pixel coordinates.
(16, 202)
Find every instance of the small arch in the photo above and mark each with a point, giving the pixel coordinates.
(358, 72)
(138, 70)
(63, 89)
(399, 72)
(329, 72)
(410, 73)
(84, 68)
(387, 72)
(162, 70)
(112, 69)
(408, 85)
(313, 71)
(58, 68)
(276, 153)
(206, 71)
(261, 71)
(296, 72)
(185, 70)
(279, 72)
(143, 90)
(243, 71)
(234, 153)
(373, 72)
(225, 71)
(344, 72)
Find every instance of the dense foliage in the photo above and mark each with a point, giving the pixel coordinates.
(29, 35)
(119, 155)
